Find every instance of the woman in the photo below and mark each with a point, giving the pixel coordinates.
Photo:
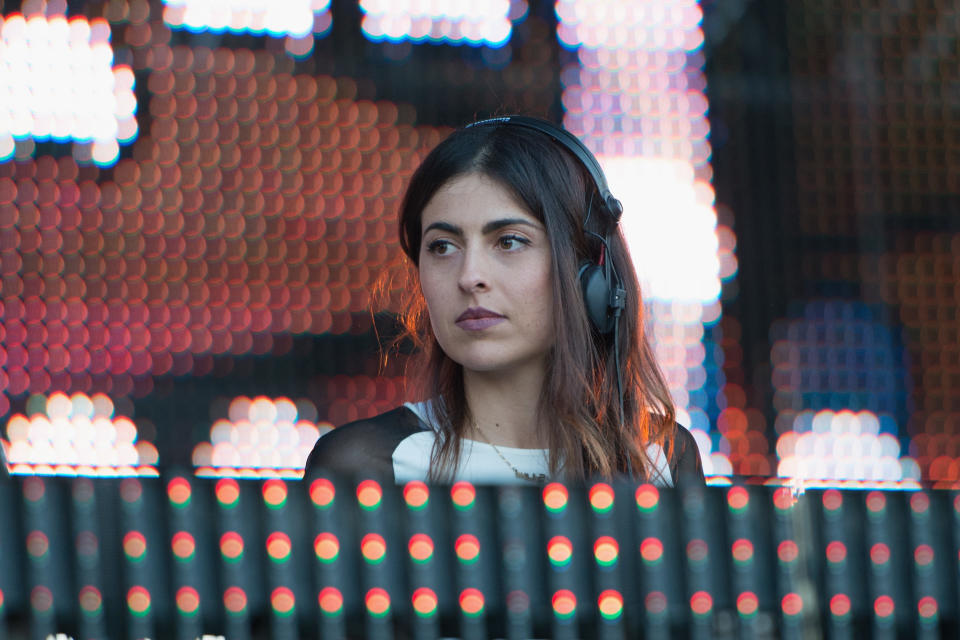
(528, 323)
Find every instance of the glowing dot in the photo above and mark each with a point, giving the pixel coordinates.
(879, 553)
(424, 602)
(330, 600)
(369, 494)
(836, 552)
(606, 550)
(747, 604)
(91, 600)
(282, 601)
(188, 601)
(923, 555)
(373, 547)
(564, 604)
(876, 501)
(228, 492)
(701, 603)
(37, 544)
(134, 546)
(783, 499)
(559, 550)
(832, 500)
(178, 491)
(840, 605)
(555, 497)
(235, 600)
(927, 607)
(41, 599)
(787, 551)
(737, 499)
(463, 495)
(378, 602)
(920, 503)
(610, 604)
(278, 546)
(467, 548)
(471, 602)
(651, 550)
(416, 494)
(883, 606)
(601, 497)
(326, 546)
(742, 550)
(138, 601)
(647, 496)
(322, 492)
(183, 545)
(791, 604)
(231, 546)
(275, 493)
(420, 547)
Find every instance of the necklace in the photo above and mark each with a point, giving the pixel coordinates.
(539, 478)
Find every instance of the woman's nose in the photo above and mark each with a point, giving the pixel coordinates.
(473, 271)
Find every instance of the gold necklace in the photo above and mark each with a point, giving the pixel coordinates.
(539, 478)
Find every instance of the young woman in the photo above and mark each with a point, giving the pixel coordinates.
(528, 323)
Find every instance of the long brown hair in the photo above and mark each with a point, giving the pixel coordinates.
(580, 397)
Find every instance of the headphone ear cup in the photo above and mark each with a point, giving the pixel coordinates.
(596, 296)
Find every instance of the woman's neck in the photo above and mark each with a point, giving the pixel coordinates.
(505, 408)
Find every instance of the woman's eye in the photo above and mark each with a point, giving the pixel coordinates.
(512, 242)
(439, 247)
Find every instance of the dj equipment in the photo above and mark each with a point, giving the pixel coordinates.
(182, 557)
(603, 292)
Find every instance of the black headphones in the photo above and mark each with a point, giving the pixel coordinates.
(603, 292)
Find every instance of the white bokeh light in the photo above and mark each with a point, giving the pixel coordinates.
(277, 18)
(451, 21)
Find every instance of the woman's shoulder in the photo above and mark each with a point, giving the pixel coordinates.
(364, 445)
(686, 467)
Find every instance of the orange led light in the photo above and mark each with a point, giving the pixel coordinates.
(421, 547)
(378, 602)
(467, 548)
(278, 546)
(326, 546)
(369, 494)
(601, 497)
(322, 492)
(424, 602)
(188, 601)
(559, 550)
(606, 550)
(564, 603)
(416, 494)
(647, 497)
(274, 493)
(471, 602)
(463, 495)
(330, 600)
(373, 547)
(555, 497)
(183, 545)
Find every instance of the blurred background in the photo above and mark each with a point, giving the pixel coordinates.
(198, 202)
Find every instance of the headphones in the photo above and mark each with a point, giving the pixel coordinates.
(603, 293)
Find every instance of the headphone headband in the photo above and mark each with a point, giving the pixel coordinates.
(571, 143)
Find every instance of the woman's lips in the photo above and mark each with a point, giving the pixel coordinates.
(478, 319)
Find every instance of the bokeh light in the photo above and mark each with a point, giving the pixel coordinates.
(448, 21)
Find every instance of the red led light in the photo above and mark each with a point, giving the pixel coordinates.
(564, 603)
(923, 555)
(278, 546)
(555, 497)
(420, 547)
(783, 499)
(879, 553)
(228, 492)
(377, 601)
(235, 600)
(655, 602)
(927, 607)
(369, 494)
(134, 545)
(282, 601)
(697, 550)
(919, 503)
(610, 604)
(183, 545)
(41, 599)
(738, 498)
(788, 551)
(836, 552)
(178, 490)
(373, 547)
(416, 494)
(601, 497)
(647, 496)
(651, 550)
(840, 605)
(330, 600)
(747, 603)
(188, 601)
(876, 501)
(883, 606)
(467, 548)
(138, 600)
(559, 550)
(463, 494)
(37, 544)
(90, 598)
(742, 550)
(274, 493)
(231, 545)
(326, 546)
(424, 601)
(701, 603)
(792, 604)
(471, 601)
(606, 550)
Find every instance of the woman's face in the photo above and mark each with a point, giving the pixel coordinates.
(485, 272)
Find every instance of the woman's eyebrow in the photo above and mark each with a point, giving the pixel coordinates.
(490, 227)
(444, 226)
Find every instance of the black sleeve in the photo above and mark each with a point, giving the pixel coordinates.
(364, 446)
(685, 465)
